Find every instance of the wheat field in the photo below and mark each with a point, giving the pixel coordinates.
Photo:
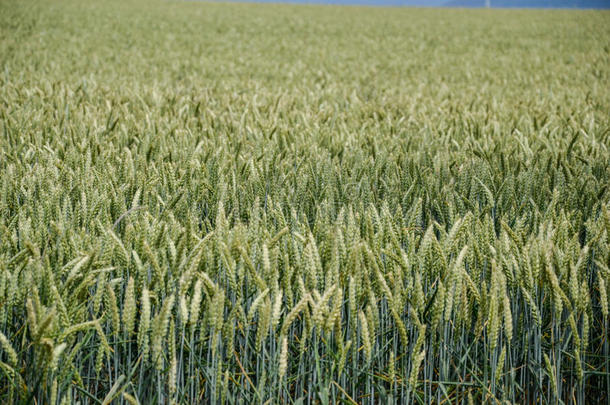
(239, 203)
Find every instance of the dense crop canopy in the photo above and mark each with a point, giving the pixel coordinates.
(230, 203)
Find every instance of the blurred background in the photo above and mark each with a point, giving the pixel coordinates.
(582, 4)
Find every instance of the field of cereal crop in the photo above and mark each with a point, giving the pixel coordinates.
(245, 203)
